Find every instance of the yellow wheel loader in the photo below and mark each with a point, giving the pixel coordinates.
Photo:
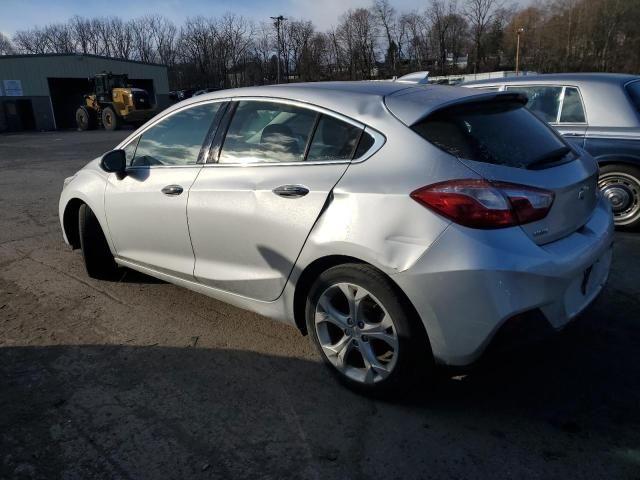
(112, 103)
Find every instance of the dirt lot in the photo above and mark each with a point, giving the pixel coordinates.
(139, 379)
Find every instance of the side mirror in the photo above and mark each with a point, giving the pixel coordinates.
(114, 161)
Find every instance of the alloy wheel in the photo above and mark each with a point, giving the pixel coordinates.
(356, 333)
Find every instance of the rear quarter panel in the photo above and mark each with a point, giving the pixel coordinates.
(372, 217)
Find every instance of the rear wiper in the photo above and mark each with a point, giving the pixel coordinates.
(551, 156)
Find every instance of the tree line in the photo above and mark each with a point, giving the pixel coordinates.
(446, 37)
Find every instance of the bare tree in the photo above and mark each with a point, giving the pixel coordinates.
(386, 15)
(357, 32)
(164, 36)
(417, 39)
(560, 35)
(30, 41)
(234, 42)
(441, 16)
(143, 45)
(6, 47)
(122, 38)
(479, 13)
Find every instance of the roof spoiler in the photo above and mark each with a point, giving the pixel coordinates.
(484, 98)
(414, 103)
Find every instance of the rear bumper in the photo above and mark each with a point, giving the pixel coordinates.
(471, 282)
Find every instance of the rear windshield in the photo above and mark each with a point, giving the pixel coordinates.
(634, 92)
(501, 133)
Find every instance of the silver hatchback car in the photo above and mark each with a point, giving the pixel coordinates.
(401, 226)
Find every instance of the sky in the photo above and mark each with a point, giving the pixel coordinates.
(23, 14)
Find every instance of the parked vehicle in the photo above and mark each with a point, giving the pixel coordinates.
(597, 112)
(401, 226)
(112, 103)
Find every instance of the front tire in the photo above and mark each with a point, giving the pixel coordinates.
(620, 184)
(110, 120)
(85, 120)
(365, 331)
(97, 256)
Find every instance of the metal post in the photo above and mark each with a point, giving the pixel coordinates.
(518, 32)
(278, 20)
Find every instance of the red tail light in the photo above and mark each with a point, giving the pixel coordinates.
(484, 204)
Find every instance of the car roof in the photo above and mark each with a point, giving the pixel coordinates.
(560, 78)
(361, 100)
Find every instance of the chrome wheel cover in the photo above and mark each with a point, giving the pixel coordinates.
(623, 192)
(356, 333)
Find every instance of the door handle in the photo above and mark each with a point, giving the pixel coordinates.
(172, 190)
(291, 191)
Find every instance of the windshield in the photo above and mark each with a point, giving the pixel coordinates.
(502, 133)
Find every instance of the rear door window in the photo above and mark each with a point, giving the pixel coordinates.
(365, 143)
(572, 108)
(544, 101)
(500, 133)
(333, 140)
(267, 132)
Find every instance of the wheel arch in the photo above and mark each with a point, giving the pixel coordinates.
(71, 229)
(319, 265)
(70, 222)
(606, 160)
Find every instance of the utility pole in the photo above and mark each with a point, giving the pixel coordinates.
(518, 33)
(278, 20)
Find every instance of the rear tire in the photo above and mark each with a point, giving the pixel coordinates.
(366, 332)
(110, 120)
(85, 119)
(97, 256)
(620, 184)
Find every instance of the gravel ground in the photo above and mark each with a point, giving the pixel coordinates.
(139, 379)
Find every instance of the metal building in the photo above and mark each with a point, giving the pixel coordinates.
(42, 92)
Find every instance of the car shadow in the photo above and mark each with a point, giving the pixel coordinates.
(89, 411)
(564, 408)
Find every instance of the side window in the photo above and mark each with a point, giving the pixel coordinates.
(333, 140)
(543, 101)
(365, 143)
(572, 109)
(130, 150)
(178, 139)
(267, 132)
